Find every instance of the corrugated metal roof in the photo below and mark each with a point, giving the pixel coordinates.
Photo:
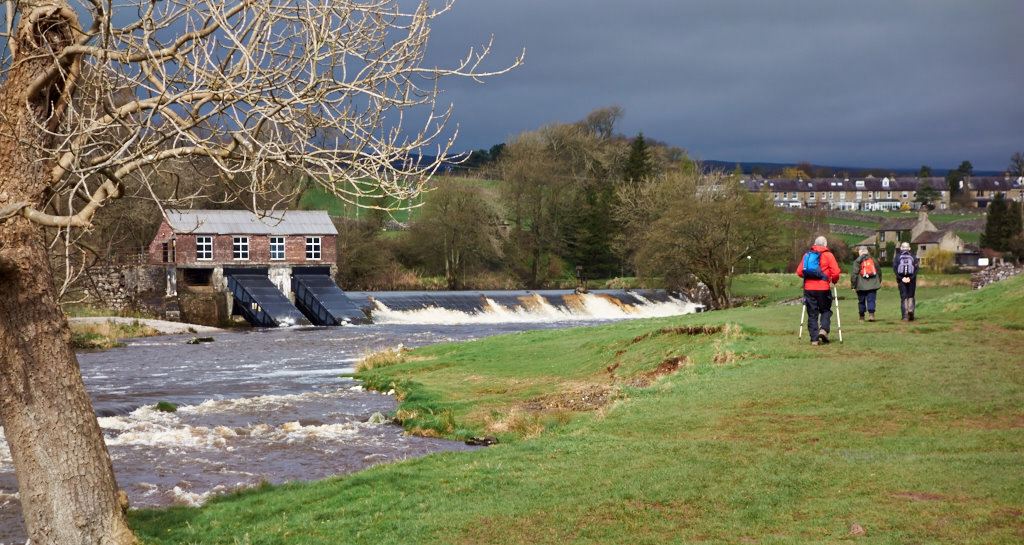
(243, 222)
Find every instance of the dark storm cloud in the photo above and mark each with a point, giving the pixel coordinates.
(874, 82)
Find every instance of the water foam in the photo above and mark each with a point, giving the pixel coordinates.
(585, 308)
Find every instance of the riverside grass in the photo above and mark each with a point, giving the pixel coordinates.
(914, 431)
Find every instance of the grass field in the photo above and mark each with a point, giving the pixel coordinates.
(913, 431)
(318, 198)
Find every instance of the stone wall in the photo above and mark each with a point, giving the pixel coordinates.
(994, 274)
(205, 307)
(124, 287)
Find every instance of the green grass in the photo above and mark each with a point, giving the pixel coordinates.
(318, 198)
(970, 237)
(913, 430)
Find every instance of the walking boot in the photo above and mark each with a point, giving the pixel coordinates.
(823, 336)
(862, 317)
(871, 317)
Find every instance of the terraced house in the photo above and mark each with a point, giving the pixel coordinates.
(881, 193)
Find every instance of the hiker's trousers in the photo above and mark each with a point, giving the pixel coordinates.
(819, 311)
(907, 291)
(866, 301)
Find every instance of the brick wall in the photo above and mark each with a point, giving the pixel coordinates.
(223, 249)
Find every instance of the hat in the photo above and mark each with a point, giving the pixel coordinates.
(821, 241)
(905, 247)
(863, 250)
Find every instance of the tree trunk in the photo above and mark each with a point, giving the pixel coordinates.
(66, 483)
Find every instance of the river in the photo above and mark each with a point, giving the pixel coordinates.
(258, 406)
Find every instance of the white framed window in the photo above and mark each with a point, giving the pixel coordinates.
(240, 248)
(204, 248)
(276, 248)
(313, 248)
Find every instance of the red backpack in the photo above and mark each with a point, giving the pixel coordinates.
(867, 268)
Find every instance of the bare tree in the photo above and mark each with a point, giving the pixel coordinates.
(694, 226)
(98, 96)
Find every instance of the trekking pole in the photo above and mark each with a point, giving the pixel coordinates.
(839, 321)
(803, 311)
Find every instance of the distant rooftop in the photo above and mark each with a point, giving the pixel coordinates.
(244, 222)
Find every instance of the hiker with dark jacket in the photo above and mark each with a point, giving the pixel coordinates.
(866, 279)
(905, 265)
(819, 270)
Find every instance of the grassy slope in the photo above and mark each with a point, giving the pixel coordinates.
(912, 430)
(317, 198)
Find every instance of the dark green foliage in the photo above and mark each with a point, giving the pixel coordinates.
(925, 172)
(1003, 224)
(639, 165)
(927, 195)
(589, 231)
(962, 173)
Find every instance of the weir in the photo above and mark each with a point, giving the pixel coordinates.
(322, 301)
(519, 306)
(260, 302)
(319, 301)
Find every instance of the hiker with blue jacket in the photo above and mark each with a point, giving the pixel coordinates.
(905, 265)
(819, 270)
(866, 279)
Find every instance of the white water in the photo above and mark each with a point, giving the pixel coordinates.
(591, 308)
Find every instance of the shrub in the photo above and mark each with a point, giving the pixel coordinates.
(938, 261)
(383, 358)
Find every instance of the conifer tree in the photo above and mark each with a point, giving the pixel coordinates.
(639, 164)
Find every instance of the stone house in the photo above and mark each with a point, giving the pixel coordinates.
(921, 233)
(904, 229)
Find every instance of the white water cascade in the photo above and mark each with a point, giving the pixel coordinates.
(584, 307)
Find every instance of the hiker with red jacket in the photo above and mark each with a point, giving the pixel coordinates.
(819, 270)
(866, 279)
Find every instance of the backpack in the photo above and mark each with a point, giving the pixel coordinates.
(812, 266)
(905, 266)
(867, 268)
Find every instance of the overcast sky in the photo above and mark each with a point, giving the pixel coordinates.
(892, 83)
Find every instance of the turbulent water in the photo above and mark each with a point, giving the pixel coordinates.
(272, 405)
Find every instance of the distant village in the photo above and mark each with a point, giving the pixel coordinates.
(875, 194)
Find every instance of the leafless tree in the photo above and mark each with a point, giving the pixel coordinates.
(98, 96)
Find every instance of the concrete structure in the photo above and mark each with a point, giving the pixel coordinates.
(896, 193)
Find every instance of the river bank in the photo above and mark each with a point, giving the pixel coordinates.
(717, 428)
(106, 332)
